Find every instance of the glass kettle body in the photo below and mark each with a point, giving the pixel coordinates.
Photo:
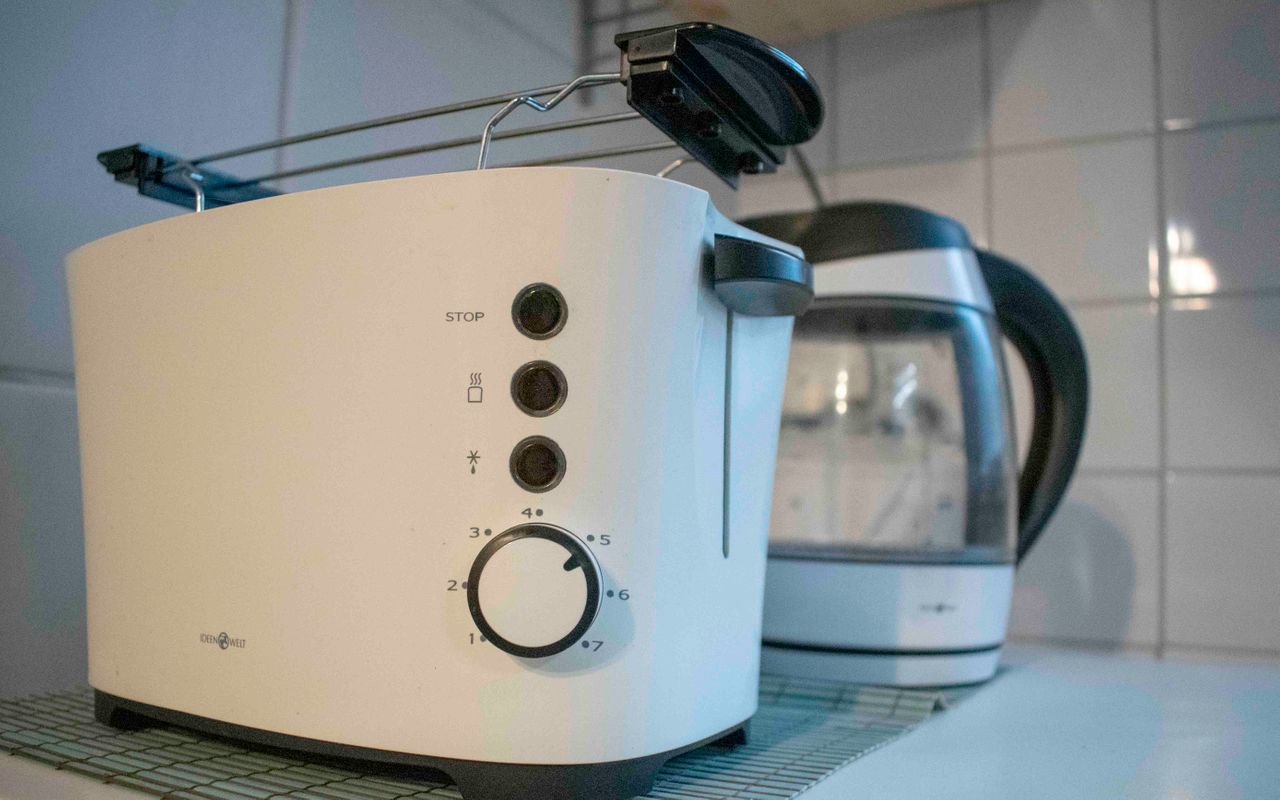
(896, 441)
(899, 510)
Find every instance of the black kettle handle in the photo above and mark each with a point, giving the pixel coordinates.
(1038, 326)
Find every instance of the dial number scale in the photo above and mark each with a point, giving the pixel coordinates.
(534, 590)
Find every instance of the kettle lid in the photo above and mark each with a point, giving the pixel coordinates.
(866, 228)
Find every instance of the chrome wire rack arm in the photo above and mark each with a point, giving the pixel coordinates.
(195, 182)
(672, 167)
(580, 82)
(379, 122)
(596, 155)
(447, 144)
(732, 102)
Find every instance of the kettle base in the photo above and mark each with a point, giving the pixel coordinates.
(902, 668)
(476, 780)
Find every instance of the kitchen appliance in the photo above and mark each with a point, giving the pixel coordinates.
(898, 510)
(467, 471)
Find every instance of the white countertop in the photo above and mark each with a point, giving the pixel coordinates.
(1071, 724)
(1054, 724)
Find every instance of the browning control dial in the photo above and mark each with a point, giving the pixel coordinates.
(534, 590)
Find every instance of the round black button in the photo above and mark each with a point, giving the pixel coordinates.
(539, 311)
(537, 464)
(539, 388)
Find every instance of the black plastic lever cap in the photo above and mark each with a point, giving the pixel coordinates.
(759, 280)
(731, 101)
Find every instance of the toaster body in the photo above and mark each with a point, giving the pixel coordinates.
(301, 434)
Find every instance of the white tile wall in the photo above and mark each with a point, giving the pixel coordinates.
(1218, 59)
(1224, 383)
(1124, 398)
(1066, 68)
(188, 76)
(956, 188)
(953, 187)
(1123, 430)
(910, 88)
(776, 194)
(1083, 215)
(819, 57)
(359, 61)
(1222, 196)
(1093, 576)
(1223, 551)
(42, 620)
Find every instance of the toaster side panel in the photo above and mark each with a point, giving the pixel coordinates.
(296, 425)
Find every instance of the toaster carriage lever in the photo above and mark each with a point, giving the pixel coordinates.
(758, 280)
(732, 101)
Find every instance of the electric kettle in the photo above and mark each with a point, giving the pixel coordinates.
(898, 509)
(432, 471)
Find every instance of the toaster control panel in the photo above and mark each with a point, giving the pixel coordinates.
(534, 590)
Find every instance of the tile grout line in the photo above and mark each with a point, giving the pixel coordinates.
(988, 105)
(498, 13)
(1162, 370)
(833, 147)
(1223, 472)
(288, 70)
(1087, 644)
(1158, 471)
(1083, 140)
(1119, 472)
(1121, 136)
(994, 151)
(1218, 651)
(1261, 293)
(1191, 126)
(51, 379)
(1089, 303)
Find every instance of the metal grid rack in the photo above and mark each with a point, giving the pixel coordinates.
(804, 731)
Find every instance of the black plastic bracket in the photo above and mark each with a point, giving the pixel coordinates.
(758, 280)
(732, 101)
(156, 174)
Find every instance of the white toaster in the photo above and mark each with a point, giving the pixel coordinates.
(469, 471)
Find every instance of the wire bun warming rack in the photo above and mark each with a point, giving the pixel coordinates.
(731, 102)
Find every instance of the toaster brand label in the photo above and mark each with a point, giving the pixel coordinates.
(222, 640)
